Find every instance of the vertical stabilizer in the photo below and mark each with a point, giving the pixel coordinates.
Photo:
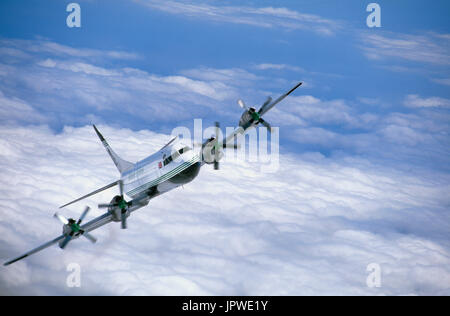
(122, 165)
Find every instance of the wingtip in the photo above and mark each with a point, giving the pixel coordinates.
(15, 260)
(296, 86)
(98, 133)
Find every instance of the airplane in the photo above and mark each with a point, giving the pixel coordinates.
(175, 164)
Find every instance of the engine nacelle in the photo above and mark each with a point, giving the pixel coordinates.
(209, 154)
(247, 118)
(116, 211)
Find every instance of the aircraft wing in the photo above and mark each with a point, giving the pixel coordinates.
(90, 226)
(29, 253)
(267, 107)
(229, 140)
(97, 222)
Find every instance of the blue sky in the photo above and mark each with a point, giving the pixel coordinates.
(367, 132)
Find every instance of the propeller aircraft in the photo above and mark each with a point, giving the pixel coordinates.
(175, 164)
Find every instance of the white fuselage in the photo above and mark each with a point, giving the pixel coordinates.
(162, 171)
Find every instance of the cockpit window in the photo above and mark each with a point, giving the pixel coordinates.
(176, 155)
(167, 160)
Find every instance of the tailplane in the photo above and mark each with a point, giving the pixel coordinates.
(122, 165)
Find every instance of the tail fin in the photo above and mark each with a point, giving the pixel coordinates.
(122, 165)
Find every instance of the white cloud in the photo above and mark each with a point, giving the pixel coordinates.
(442, 81)
(268, 66)
(417, 48)
(71, 89)
(369, 101)
(75, 90)
(327, 112)
(14, 110)
(44, 46)
(414, 100)
(403, 135)
(339, 128)
(267, 17)
(233, 76)
(305, 230)
(311, 228)
(58, 91)
(77, 67)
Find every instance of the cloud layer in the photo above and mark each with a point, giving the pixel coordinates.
(78, 86)
(380, 195)
(265, 17)
(311, 228)
(43, 86)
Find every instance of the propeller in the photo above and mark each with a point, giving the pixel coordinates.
(61, 218)
(242, 104)
(267, 125)
(256, 115)
(216, 147)
(74, 227)
(121, 204)
(212, 148)
(265, 105)
(123, 207)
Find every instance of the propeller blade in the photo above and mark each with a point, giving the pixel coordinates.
(269, 128)
(216, 148)
(269, 99)
(66, 241)
(86, 210)
(124, 219)
(242, 104)
(61, 218)
(234, 146)
(91, 238)
(121, 188)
